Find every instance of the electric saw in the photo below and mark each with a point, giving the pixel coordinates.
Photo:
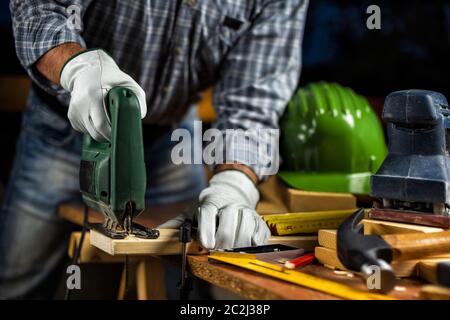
(113, 174)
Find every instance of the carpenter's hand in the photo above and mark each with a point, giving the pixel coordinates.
(89, 76)
(226, 213)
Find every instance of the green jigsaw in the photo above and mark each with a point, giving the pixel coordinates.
(113, 174)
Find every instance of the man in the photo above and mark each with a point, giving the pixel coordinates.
(166, 51)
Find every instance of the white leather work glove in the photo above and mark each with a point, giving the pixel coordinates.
(226, 213)
(88, 77)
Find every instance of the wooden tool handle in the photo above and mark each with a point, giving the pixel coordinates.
(418, 245)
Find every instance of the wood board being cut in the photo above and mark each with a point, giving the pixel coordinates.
(89, 253)
(168, 244)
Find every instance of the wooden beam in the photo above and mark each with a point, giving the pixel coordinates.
(326, 254)
(380, 227)
(327, 237)
(412, 217)
(150, 280)
(299, 200)
(168, 244)
(89, 253)
(272, 197)
(433, 292)
(404, 268)
(328, 257)
(149, 273)
(123, 284)
(277, 197)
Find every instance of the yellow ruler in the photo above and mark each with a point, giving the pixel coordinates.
(249, 261)
(305, 222)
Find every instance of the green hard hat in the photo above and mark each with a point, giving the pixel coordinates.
(331, 140)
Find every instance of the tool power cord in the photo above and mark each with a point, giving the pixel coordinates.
(76, 256)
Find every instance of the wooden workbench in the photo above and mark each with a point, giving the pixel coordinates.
(252, 285)
(248, 284)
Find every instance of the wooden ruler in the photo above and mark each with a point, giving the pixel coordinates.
(305, 222)
(249, 261)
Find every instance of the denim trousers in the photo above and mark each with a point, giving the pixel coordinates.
(33, 238)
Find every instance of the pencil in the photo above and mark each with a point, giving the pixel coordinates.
(300, 261)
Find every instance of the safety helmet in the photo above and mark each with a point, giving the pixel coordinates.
(331, 140)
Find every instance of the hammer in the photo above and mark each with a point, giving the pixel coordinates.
(366, 253)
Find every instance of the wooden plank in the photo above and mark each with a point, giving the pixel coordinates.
(168, 244)
(272, 196)
(266, 207)
(92, 254)
(150, 280)
(299, 200)
(277, 197)
(380, 227)
(404, 268)
(328, 257)
(327, 237)
(122, 286)
(149, 272)
(89, 253)
(410, 217)
(433, 292)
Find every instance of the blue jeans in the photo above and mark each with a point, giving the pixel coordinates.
(33, 239)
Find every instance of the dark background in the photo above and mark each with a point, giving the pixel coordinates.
(411, 50)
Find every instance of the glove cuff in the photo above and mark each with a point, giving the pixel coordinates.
(78, 62)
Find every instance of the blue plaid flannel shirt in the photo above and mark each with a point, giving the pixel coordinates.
(249, 50)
